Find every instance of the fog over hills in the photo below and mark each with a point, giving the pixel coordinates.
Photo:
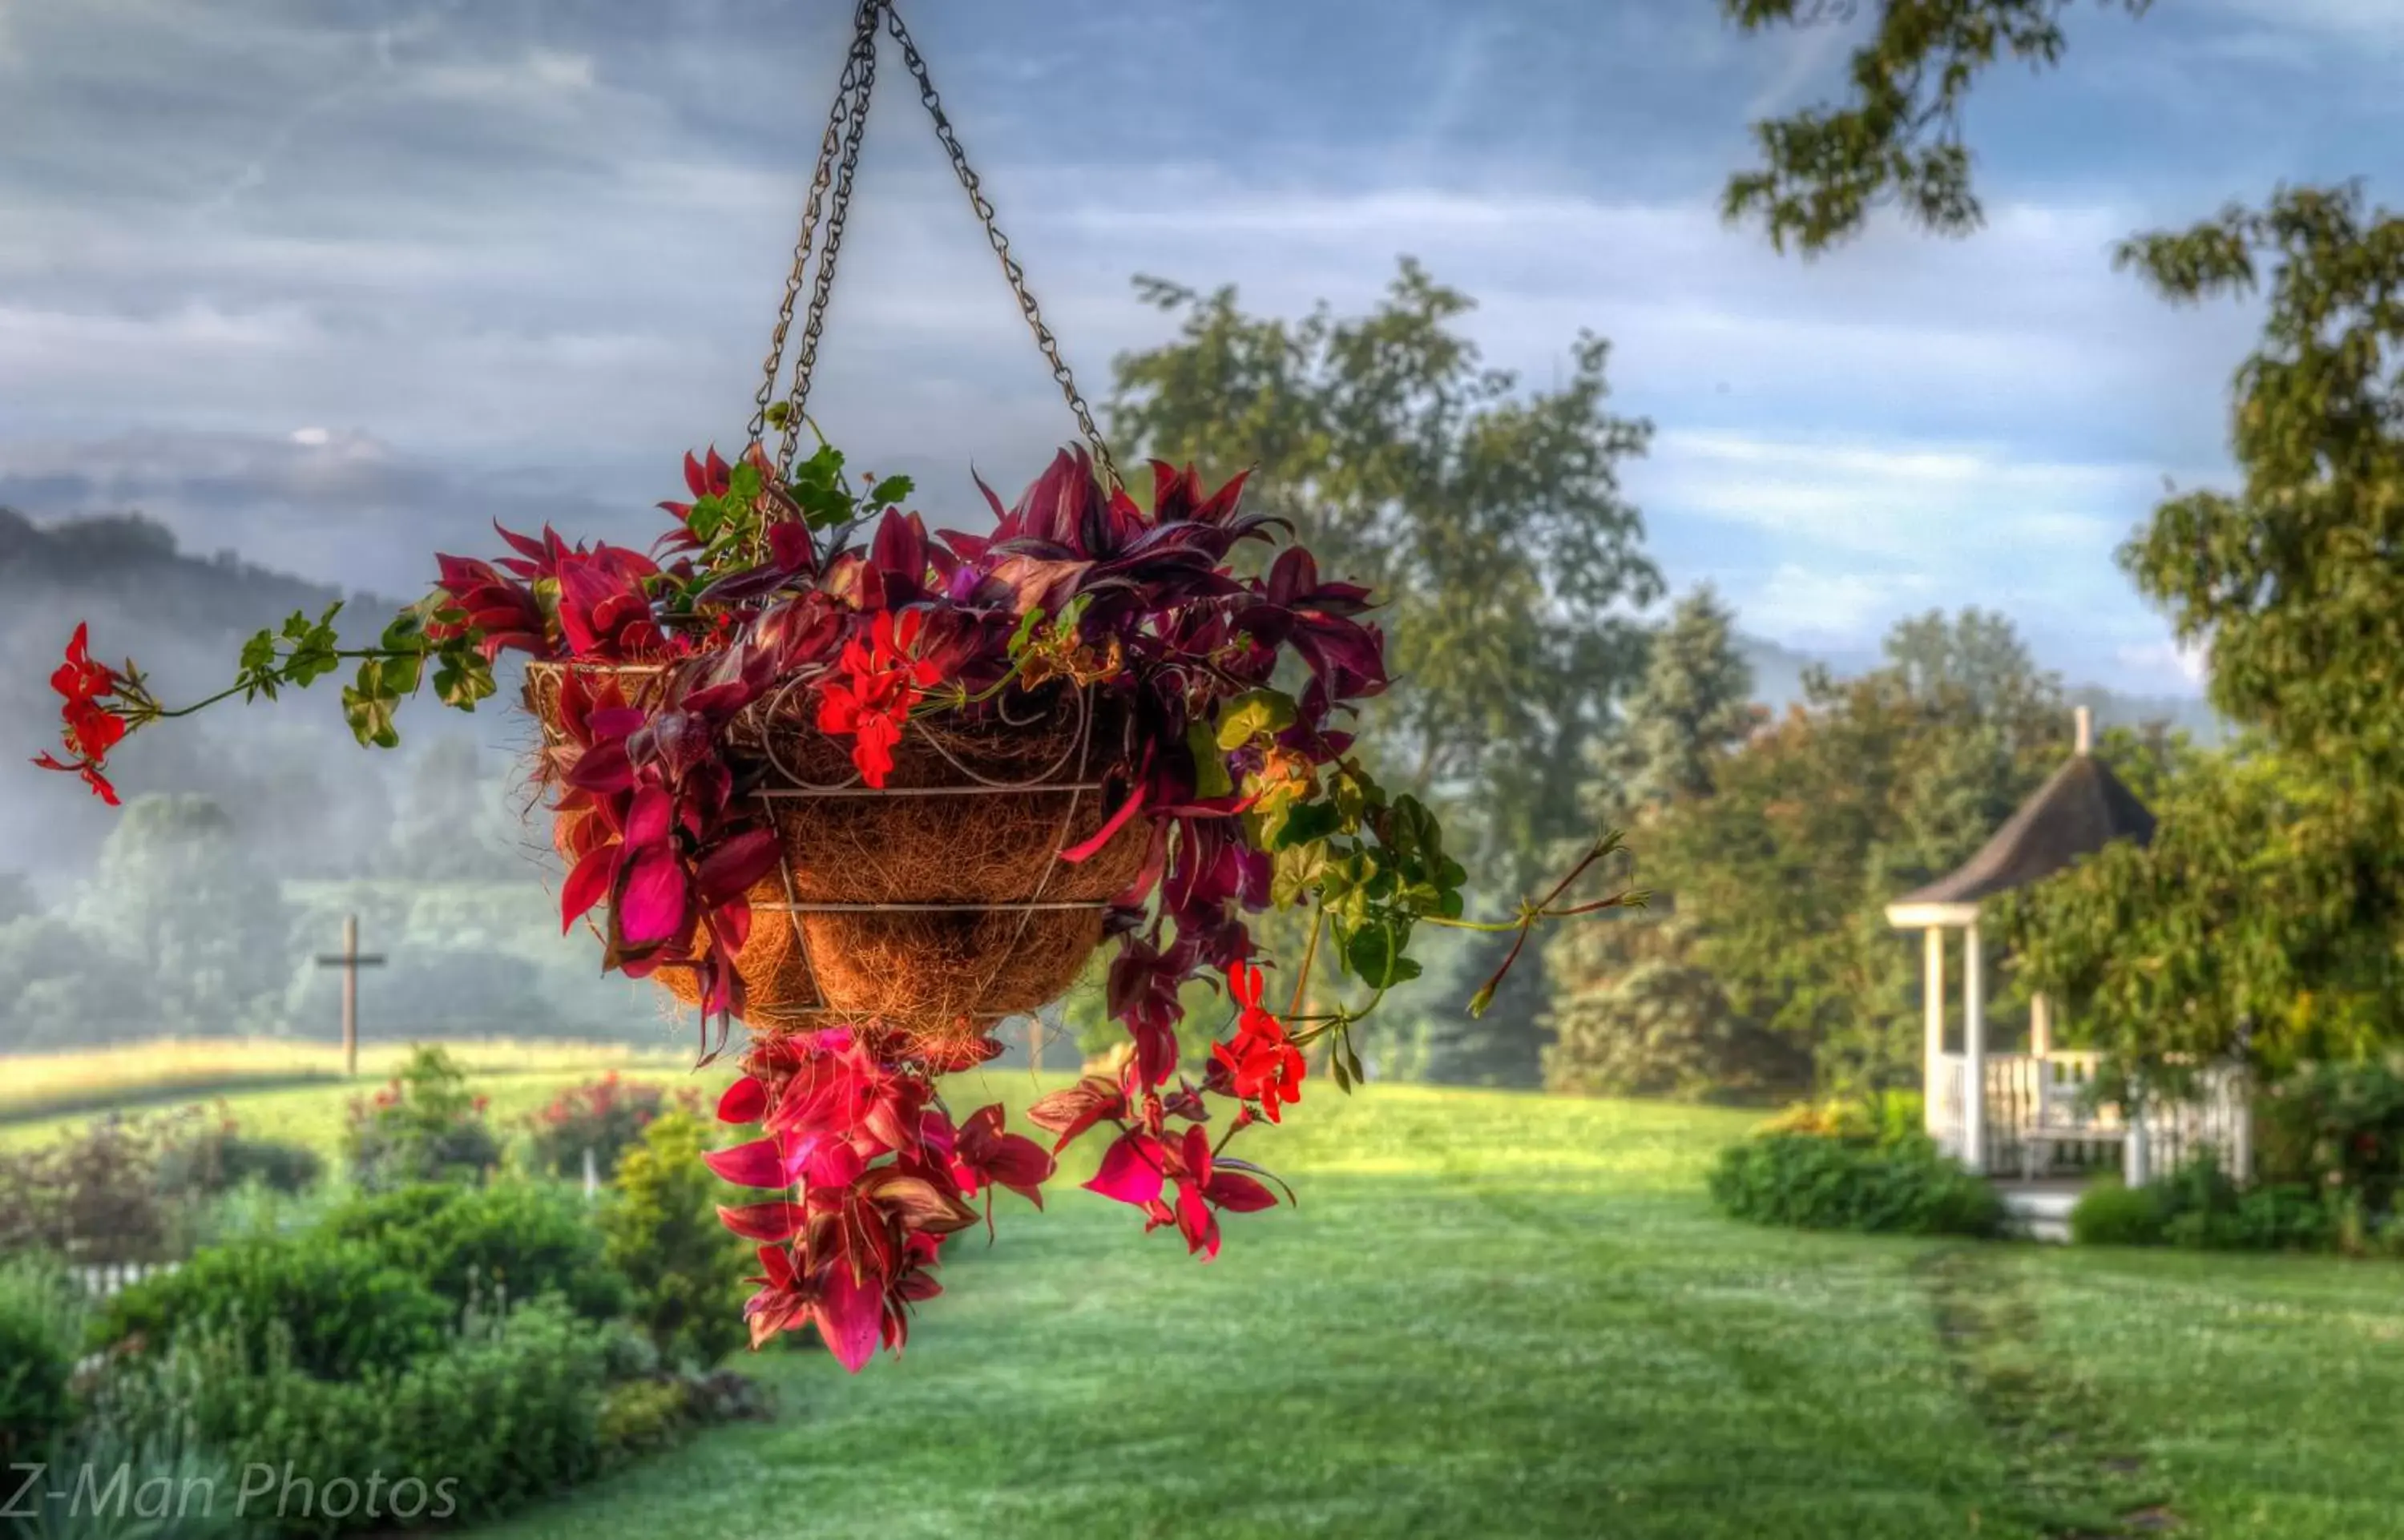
(300, 791)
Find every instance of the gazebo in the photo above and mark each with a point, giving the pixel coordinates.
(2028, 1108)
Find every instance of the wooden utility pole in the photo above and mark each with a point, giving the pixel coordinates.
(349, 960)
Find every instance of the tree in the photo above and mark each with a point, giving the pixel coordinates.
(1666, 1030)
(1490, 521)
(2269, 914)
(1898, 138)
(451, 827)
(1694, 704)
(1628, 1013)
(176, 900)
(2295, 582)
(60, 987)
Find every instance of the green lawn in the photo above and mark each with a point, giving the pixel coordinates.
(1516, 1316)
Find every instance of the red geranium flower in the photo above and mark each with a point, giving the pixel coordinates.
(885, 680)
(88, 729)
(1261, 1061)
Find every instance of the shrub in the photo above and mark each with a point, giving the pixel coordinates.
(514, 1240)
(92, 1195)
(2111, 1214)
(347, 1311)
(2338, 1128)
(641, 1417)
(1813, 1182)
(38, 1355)
(607, 1117)
(214, 1160)
(727, 1395)
(1885, 1117)
(661, 1228)
(425, 1126)
(2204, 1209)
(505, 1411)
(2200, 1207)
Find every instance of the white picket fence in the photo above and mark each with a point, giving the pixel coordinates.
(103, 1278)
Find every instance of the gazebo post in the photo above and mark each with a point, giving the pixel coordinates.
(1932, 1063)
(2041, 1052)
(1974, 1051)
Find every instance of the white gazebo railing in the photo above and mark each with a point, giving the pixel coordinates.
(2038, 1119)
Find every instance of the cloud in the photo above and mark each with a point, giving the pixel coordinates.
(1940, 505)
(326, 504)
(2354, 23)
(1806, 607)
(2172, 668)
(515, 261)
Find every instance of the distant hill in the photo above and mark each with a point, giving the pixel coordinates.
(290, 772)
(1778, 683)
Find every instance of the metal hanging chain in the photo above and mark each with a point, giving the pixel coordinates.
(831, 192)
(838, 209)
(1000, 243)
(862, 58)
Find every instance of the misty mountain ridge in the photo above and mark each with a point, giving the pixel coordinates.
(297, 785)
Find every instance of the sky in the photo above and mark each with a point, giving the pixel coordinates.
(335, 283)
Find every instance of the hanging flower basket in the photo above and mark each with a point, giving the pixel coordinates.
(869, 790)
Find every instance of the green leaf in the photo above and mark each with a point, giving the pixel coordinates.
(463, 678)
(1293, 872)
(891, 490)
(1350, 797)
(399, 676)
(1255, 713)
(407, 629)
(1305, 822)
(1028, 625)
(743, 484)
(1209, 763)
(370, 717)
(779, 413)
(1374, 955)
(1335, 1068)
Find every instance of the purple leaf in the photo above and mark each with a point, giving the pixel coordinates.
(758, 1164)
(850, 1315)
(652, 908)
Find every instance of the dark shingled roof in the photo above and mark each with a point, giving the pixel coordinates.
(2083, 808)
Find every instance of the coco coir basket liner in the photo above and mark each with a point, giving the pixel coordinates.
(924, 911)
